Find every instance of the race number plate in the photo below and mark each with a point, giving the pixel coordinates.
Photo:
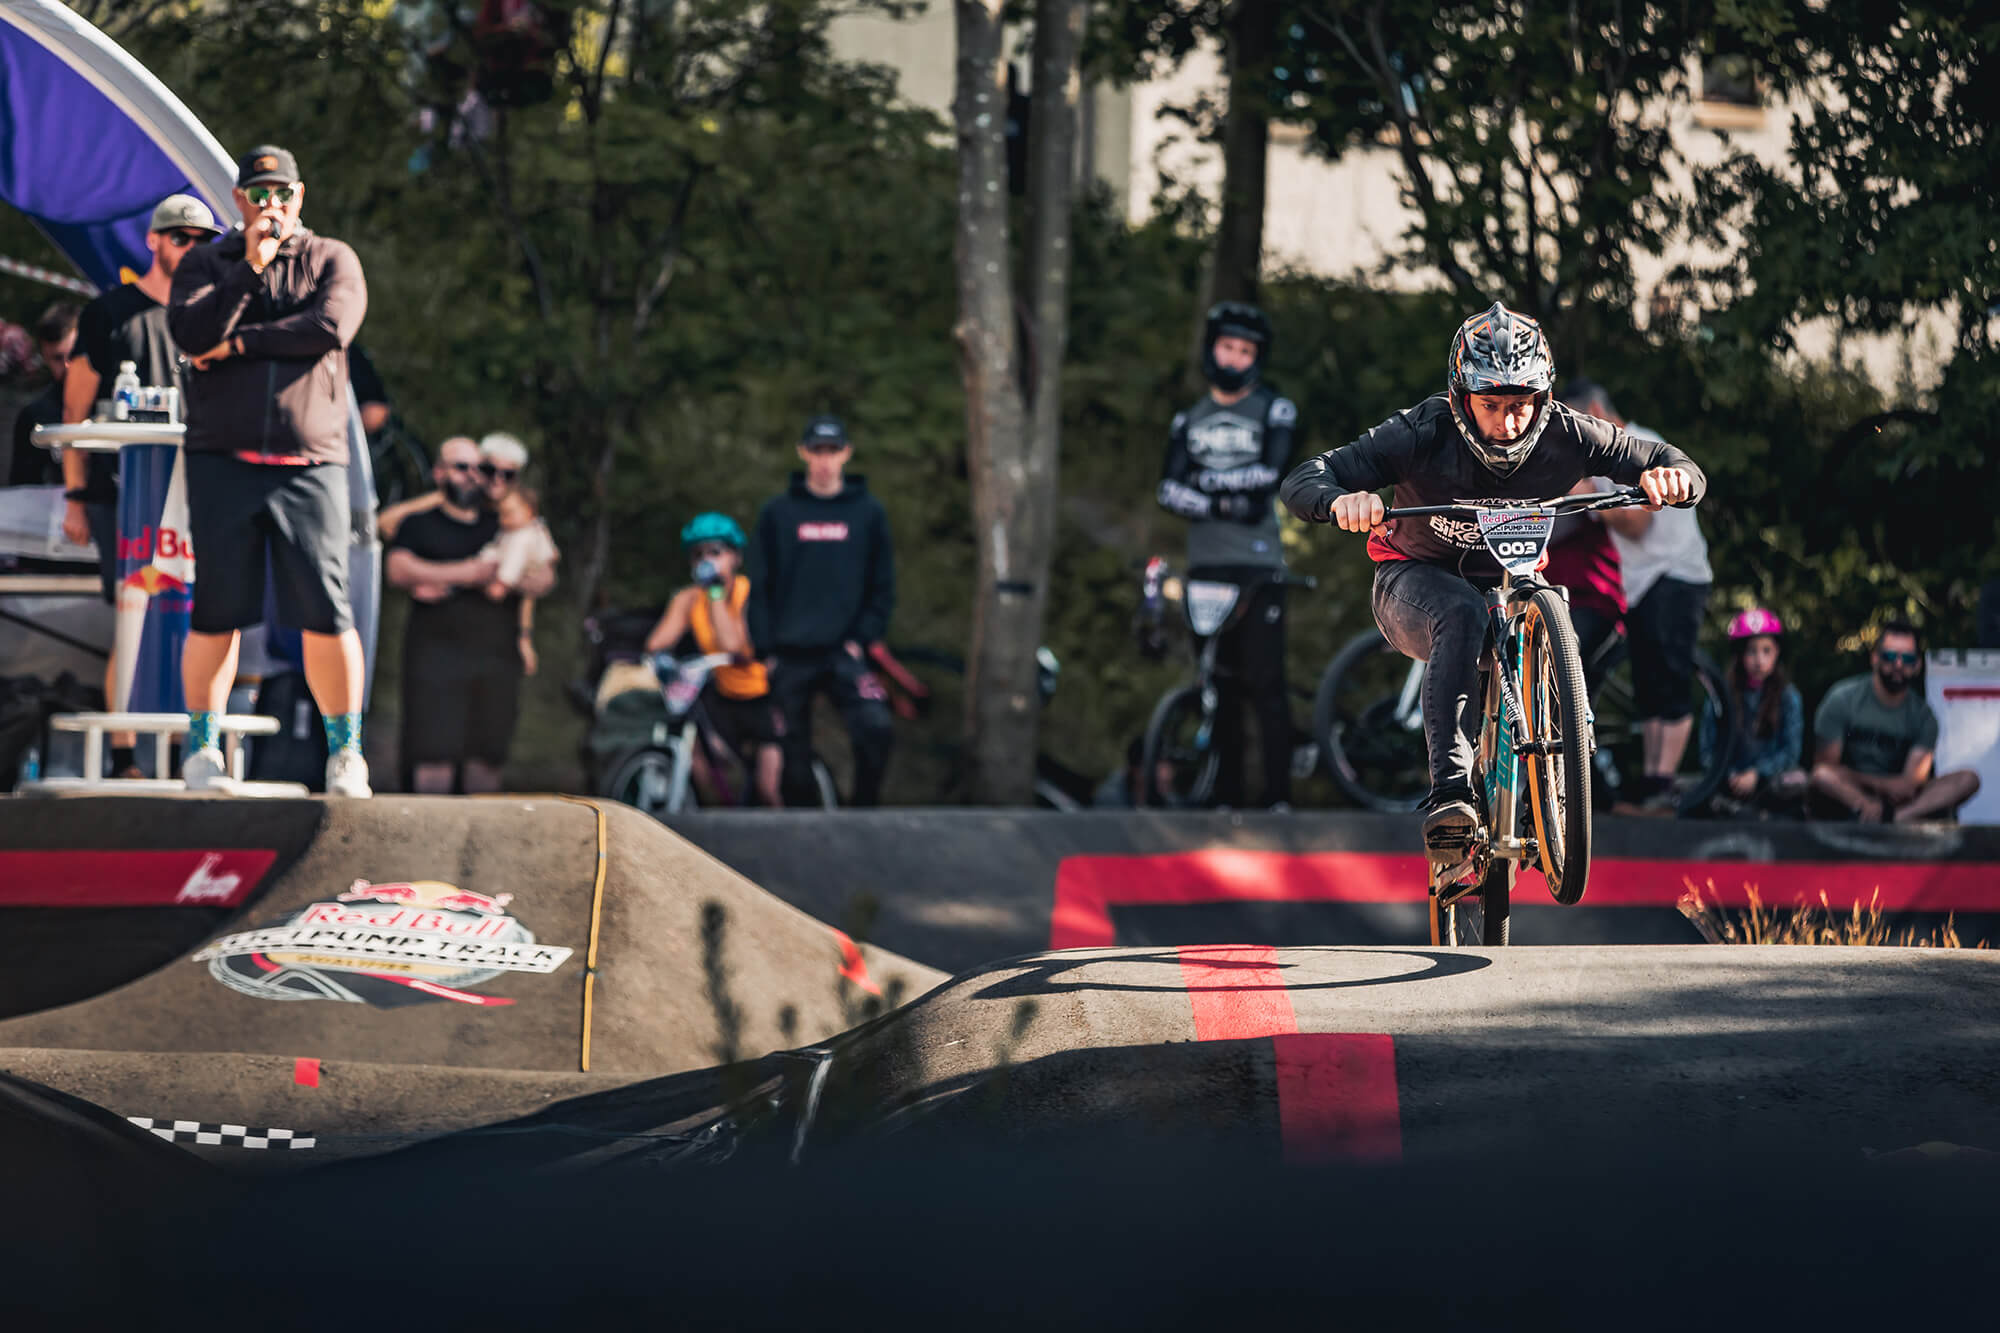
(1209, 604)
(1517, 537)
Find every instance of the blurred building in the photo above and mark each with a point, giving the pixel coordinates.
(1345, 219)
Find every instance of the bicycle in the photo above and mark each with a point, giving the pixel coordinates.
(1535, 708)
(659, 778)
(1368, 720)
(1179, 745)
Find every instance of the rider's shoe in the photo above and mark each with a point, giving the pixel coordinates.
(1451, 825)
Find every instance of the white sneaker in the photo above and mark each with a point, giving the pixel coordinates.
(204, 770)
(347, 774)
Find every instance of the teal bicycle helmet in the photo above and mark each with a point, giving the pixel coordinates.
(712, 527)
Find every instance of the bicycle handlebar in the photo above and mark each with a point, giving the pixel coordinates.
(1625, 497)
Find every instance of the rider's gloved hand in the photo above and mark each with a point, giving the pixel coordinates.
(1356, 511)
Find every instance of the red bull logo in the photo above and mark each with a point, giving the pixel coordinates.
(430, 893)
(172, 544)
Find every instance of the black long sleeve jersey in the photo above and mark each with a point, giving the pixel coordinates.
(1217, 451)
(1420, 452)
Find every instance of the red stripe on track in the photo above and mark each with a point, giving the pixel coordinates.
(1236, 991)
(1088, 887)
(1337, 1098)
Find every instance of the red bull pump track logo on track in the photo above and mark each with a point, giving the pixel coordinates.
(388, 945)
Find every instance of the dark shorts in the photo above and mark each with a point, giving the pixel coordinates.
(743, 722)
(449, 719)
(1661, 631)
(103, 520)
(241, 514)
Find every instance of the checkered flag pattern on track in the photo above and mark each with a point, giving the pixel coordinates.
(219, 1136)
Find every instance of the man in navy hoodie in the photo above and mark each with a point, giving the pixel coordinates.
(822, 585)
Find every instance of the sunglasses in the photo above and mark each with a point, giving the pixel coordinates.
(261, 195)
(491, 472)
(1897, 659)
(184, 238)
(463, 469)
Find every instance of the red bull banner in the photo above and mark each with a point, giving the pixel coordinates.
(155, 579)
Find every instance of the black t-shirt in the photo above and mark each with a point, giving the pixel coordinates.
(126, 325)
(31, 465)
(466, 634)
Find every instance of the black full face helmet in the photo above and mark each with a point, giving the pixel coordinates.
(1500, 351)
(1234, 319)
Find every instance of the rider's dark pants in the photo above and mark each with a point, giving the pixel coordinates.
(1430, 613)
(863, 702)
(1251, 655)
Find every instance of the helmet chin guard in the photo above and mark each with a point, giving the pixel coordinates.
(1234, 319)
(1500, 351)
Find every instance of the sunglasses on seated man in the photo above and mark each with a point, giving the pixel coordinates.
(1897, 659)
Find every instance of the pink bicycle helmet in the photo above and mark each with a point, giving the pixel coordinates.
(1749, 624)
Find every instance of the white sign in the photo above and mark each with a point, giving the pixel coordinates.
(1964, 691)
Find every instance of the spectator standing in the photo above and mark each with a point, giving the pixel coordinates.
(1763, 764)
(1663, 560)
(55, 342)
(1225, 457)
(822, 587)
(1875, 741)
(266, 315)
(129, 323)
(462, 662)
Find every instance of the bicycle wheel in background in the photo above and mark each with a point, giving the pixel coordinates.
(1553, 700)
(1179, 760)
(1620, 757)
(1368, 719)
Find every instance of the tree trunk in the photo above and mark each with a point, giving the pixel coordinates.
(1246, 136)
(1000, 702)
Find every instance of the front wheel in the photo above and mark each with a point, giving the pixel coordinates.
(644, 780)
(1179, 761)
(1554, 699)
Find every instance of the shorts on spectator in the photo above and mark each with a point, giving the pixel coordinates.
(1661, 631)
(743, 722)
(448, 719)
(241, 514)
(103, 521)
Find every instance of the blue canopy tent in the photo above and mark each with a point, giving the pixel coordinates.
(89, 143)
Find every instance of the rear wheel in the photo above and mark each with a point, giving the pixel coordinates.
(1558, 723)
(1180, 759)
(1369, 722)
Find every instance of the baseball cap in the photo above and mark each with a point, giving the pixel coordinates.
(266, 164)
(823, 432)
(183, 210)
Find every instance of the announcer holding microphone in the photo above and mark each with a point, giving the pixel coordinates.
(267, 314)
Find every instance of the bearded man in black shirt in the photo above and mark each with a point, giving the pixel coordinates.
(461, 664)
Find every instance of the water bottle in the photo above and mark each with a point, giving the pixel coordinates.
(125, 391)
(31, 764)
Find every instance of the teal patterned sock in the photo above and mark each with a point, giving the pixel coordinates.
(203, 734)
(343, 732)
